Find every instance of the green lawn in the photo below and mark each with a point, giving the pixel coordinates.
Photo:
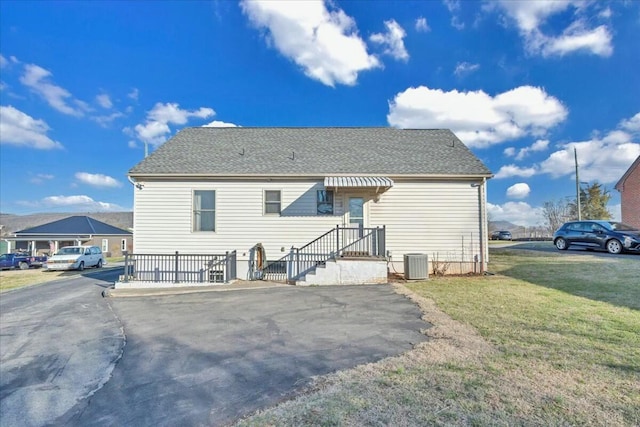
(550, 339)
(13, 279)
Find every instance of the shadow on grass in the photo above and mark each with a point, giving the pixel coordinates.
(108, 274)
(609, 279)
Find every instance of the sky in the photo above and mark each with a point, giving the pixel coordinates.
(86, 86)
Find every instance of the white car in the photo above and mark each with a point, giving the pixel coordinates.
(75, 258)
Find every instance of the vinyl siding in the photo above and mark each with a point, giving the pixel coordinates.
(163, 219)
(421, 217)
(440, 219)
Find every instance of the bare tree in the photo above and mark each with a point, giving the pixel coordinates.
(556, 213)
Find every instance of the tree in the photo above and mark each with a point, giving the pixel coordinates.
(593, 203)
(555, 213)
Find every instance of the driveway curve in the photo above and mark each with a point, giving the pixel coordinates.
(59, 343)
(210, 358)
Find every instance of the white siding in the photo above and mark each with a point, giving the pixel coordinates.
(440, 219)
(163, 216)
(421, 217)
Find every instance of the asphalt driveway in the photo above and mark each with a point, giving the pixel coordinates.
(210, 358)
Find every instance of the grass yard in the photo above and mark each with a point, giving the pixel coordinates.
(552, 339)
(13, 279)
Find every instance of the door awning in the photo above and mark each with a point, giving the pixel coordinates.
(358, 181)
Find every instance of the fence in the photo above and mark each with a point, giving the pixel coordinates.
(338, 242)
(180, 268)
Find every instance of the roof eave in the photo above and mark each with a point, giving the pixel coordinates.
(620, 184)
(166, 176)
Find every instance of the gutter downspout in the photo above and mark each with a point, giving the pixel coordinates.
(484, 256)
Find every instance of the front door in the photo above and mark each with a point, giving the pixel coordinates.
(356, 212)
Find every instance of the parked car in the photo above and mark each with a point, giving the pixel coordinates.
(21, 261)
(76, 258)
(501, 235)
(614, 237)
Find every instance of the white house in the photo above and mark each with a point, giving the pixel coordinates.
(213, 190)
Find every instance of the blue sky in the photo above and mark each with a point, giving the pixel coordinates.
(85, 85)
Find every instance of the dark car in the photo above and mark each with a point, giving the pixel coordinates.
(615, 237)
(501, 235)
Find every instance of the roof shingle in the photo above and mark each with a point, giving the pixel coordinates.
(75, 225)
(312, 152)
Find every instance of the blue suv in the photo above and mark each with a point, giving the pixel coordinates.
(614, 237)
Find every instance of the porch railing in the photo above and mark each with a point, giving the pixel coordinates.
(339, 242)
(179, 268)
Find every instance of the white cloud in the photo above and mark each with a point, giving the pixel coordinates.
(78, 203)
(219, 124)
(465, 68)
(605, 13)
(392, 40)
(457, 23)
(509, 171)
(40, 178)
(477, 118)
(155, 129)
(632, 124)
(105, 120)
(519, 213)
(134, 94)
(104, 101)
(604, 159)
(577, 38)
(531, 16)
(37, 79)
(324, 43)
(421, 25)
(97, 179)
(518, 191)
(3, 61)
(454, 7)
(510, 151)
(599, 160)
(18, 128)
(539, 145)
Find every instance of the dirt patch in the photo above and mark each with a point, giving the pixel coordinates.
(450, 339)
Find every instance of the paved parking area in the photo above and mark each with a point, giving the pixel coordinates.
(210, 358)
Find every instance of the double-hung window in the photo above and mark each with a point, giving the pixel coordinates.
(272, 202)
(324, 202)
(204, 210)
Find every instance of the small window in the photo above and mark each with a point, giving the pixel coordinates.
(123, 245)
(272, 201)
(105, 245)
(204, 210)
(325, 202)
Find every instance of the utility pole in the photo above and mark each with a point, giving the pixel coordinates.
(575, 155)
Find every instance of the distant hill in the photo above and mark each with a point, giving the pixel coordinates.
(12, 223)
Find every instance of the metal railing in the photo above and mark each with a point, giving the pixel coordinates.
(180, 268)
(339, 242)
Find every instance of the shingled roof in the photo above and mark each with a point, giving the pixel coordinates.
(312, 152)
(74, 225)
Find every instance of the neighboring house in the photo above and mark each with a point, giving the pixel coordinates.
(629, 188)
(212, 190)
(72, 231)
